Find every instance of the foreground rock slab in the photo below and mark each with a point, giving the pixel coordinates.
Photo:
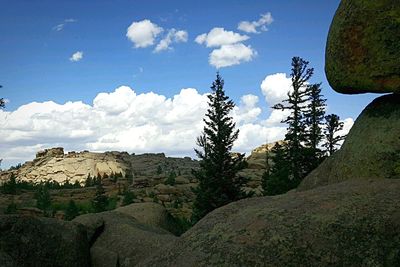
(363, 48)
(371, 149)
(119, 239)
(32, 241)
(354, 223)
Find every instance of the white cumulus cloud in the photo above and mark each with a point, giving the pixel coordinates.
(78, 55)
(219, 36)
(173, 36)
(275, 87)
(229, 55)
(143, 33)
(126, 121)
(253, 26)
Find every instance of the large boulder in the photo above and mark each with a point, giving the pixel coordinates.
(150, 213)
(354, 223)
(33, 241)
(363, 48)
(371, 149)
(120, 240)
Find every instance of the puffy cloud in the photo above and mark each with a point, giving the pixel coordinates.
(78, 55)
(262, 23)
(173, 36)
(126, 121)
(219, 37)
(229, 55)
(247, 111)
(143, 33)
(275, 87)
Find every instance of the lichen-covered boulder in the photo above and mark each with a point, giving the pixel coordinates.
(370, 151)
(32, 241)
(354, 223)
(363, 48)
(120, 240)
(152, 214)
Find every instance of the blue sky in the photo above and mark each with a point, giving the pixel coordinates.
(36, 66)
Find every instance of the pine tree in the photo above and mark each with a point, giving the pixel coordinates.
(72, 211)
(129, 196)
(332, 126)
(217, 176)
(314, 118)
(10, 187)
(171, 178)
(278, 179)
(89, 181)
(296, 104)
(100, 201)
(43, 199)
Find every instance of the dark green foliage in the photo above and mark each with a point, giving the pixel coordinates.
(128, 197)
(277, 180)
(10, 187)
(171, 178)
(217, 176)
(72, 211)
(11, 208)
(296, 104)
(89, 181)
(16, 167)
(332, 126)
(43, 199)
(314, 118)
(100, 201)
(301, 152)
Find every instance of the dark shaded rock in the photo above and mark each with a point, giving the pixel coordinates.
(33, 241)
(122, 240)
(371, 149)
(94, 226)
(363, 48)
(354, 223)
(150, 213)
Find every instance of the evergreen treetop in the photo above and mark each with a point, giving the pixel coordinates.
(217, 176)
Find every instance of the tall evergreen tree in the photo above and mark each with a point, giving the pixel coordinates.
(332, 126)
(296, 104)
(100, 200)
(43, 199)
(217, 176)
(314, 118)
(72, 211)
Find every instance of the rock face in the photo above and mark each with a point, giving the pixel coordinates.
(363, 49)
(121, 239)
(355, 223)
(150, 213)
(371, 149)
(30, 241)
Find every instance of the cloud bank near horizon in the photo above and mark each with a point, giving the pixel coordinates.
(123, 120)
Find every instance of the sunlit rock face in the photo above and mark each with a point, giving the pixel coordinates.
(53, 165)
(363, 48)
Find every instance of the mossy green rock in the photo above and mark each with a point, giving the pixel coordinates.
(370, 151)
(354, 223)
(363, 48)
